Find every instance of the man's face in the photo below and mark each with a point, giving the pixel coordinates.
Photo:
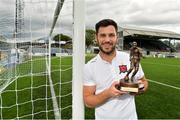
(107, 39)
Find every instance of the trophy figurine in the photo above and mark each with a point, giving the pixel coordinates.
(127, 83)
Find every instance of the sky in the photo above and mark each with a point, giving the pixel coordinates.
(38, 15)
(160, 14)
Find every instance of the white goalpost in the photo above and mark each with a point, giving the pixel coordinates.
(41, 71)
(78, 58)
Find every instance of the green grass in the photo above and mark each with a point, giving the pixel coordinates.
(32, 91)
(159, 102)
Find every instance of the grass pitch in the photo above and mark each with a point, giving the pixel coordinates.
(29, 96)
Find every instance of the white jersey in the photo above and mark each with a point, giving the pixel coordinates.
(102, 74)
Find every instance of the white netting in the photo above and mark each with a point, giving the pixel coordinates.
(35, 70)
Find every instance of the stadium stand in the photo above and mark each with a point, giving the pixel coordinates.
(148, 39)
(149, 45)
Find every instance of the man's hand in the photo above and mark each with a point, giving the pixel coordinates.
(113, 91)
(143, 85)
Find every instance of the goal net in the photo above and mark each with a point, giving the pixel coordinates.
(37, 63)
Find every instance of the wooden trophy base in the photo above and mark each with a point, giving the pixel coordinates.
(129, 87)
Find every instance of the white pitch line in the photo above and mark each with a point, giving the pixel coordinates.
(178, 66)
(164, 84)
(162, 64)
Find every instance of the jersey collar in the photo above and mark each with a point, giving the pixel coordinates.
(101, 60)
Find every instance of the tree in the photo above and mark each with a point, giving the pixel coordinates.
(90, 37)
(61, 37)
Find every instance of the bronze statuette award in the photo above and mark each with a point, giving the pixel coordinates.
(127, 83)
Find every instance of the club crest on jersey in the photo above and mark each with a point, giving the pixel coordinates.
(122, 68)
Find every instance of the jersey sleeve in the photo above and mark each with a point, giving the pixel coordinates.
(87, 77)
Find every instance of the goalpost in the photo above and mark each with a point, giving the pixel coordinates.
(78, 58)
(35, 72)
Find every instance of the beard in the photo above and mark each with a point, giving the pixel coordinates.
(110, 49)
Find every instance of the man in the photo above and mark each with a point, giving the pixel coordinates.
(102, 74)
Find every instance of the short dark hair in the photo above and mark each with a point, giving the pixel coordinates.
(105, 23)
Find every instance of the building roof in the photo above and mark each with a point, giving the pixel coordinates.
(156, 33)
